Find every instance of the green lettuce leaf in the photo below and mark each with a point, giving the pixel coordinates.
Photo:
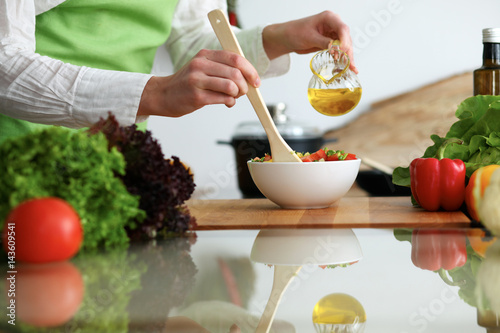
(470, 111)
(478, 129)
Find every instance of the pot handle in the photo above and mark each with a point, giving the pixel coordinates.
(222, 142)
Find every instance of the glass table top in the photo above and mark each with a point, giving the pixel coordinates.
(325, 280)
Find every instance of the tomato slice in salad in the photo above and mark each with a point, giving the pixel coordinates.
(333, 157)
(316, 156)
(350, 157)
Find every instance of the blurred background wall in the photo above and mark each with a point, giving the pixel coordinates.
(400, 45)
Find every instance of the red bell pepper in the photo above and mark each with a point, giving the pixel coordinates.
(438, 183)
(435, 249)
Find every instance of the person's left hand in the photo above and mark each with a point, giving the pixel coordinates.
(211, 77)
(308, 35)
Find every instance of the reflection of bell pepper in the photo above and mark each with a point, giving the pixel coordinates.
(435, 249)
(438, 183)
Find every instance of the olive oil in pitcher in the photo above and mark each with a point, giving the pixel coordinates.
(334, 102)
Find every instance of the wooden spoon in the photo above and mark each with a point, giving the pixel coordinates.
(280, 150)
(377, 165)
(283, 275)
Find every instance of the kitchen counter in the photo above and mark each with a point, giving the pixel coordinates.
(223, 276)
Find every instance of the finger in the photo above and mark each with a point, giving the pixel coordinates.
(221, 85)
(229, 75)
(207, 74)
(336, 29)
(346, 45)
(234, 60)
(210, 97)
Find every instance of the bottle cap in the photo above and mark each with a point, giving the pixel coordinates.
(491, 35)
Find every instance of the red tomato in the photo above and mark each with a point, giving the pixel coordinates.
(333, 157)
(316, 156)
(42, 230)
(307, 158)
(351, 157)
(320, 154)
(48, 295)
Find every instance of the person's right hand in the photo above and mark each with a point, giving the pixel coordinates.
(211, 77)
(306, 35)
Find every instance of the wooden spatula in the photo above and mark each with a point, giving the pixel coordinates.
(280, 150)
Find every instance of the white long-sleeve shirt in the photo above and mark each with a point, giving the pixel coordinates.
(44, 90)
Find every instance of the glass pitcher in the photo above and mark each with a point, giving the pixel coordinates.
(334, 89)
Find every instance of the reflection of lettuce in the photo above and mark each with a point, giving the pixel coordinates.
(465, 277)
(121, 285)
(479, 129)
(170, 276)
(109, 280)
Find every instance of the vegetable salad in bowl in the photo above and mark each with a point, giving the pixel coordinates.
(322, 155)
(330, 173)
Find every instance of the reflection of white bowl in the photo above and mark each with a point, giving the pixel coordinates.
(304, 185)
(306, 247)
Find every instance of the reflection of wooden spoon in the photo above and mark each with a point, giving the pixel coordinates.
(280, 151)
(283, 275)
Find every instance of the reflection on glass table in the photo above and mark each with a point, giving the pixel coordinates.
(289, 249)
(465, 258)
(339, 312)
(129, 290)
(221, 281)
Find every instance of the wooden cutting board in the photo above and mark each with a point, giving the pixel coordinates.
(349, 212)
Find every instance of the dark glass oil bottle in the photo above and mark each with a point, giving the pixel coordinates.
(487, 78)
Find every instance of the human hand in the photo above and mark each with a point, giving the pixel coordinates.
(234, 329)
(308, 35)
(211, 77)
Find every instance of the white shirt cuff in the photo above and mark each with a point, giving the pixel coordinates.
(253, 47)
(100, 92)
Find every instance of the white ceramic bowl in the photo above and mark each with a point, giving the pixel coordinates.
(304, 185)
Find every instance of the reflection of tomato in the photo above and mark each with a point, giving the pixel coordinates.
(42, 230)
(48, 294)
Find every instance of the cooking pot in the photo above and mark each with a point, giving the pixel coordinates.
(250, 140)
(379, 184)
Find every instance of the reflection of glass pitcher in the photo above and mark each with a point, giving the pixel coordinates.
(334, 89)
(339, 312)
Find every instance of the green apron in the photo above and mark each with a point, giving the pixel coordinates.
(118, 35)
